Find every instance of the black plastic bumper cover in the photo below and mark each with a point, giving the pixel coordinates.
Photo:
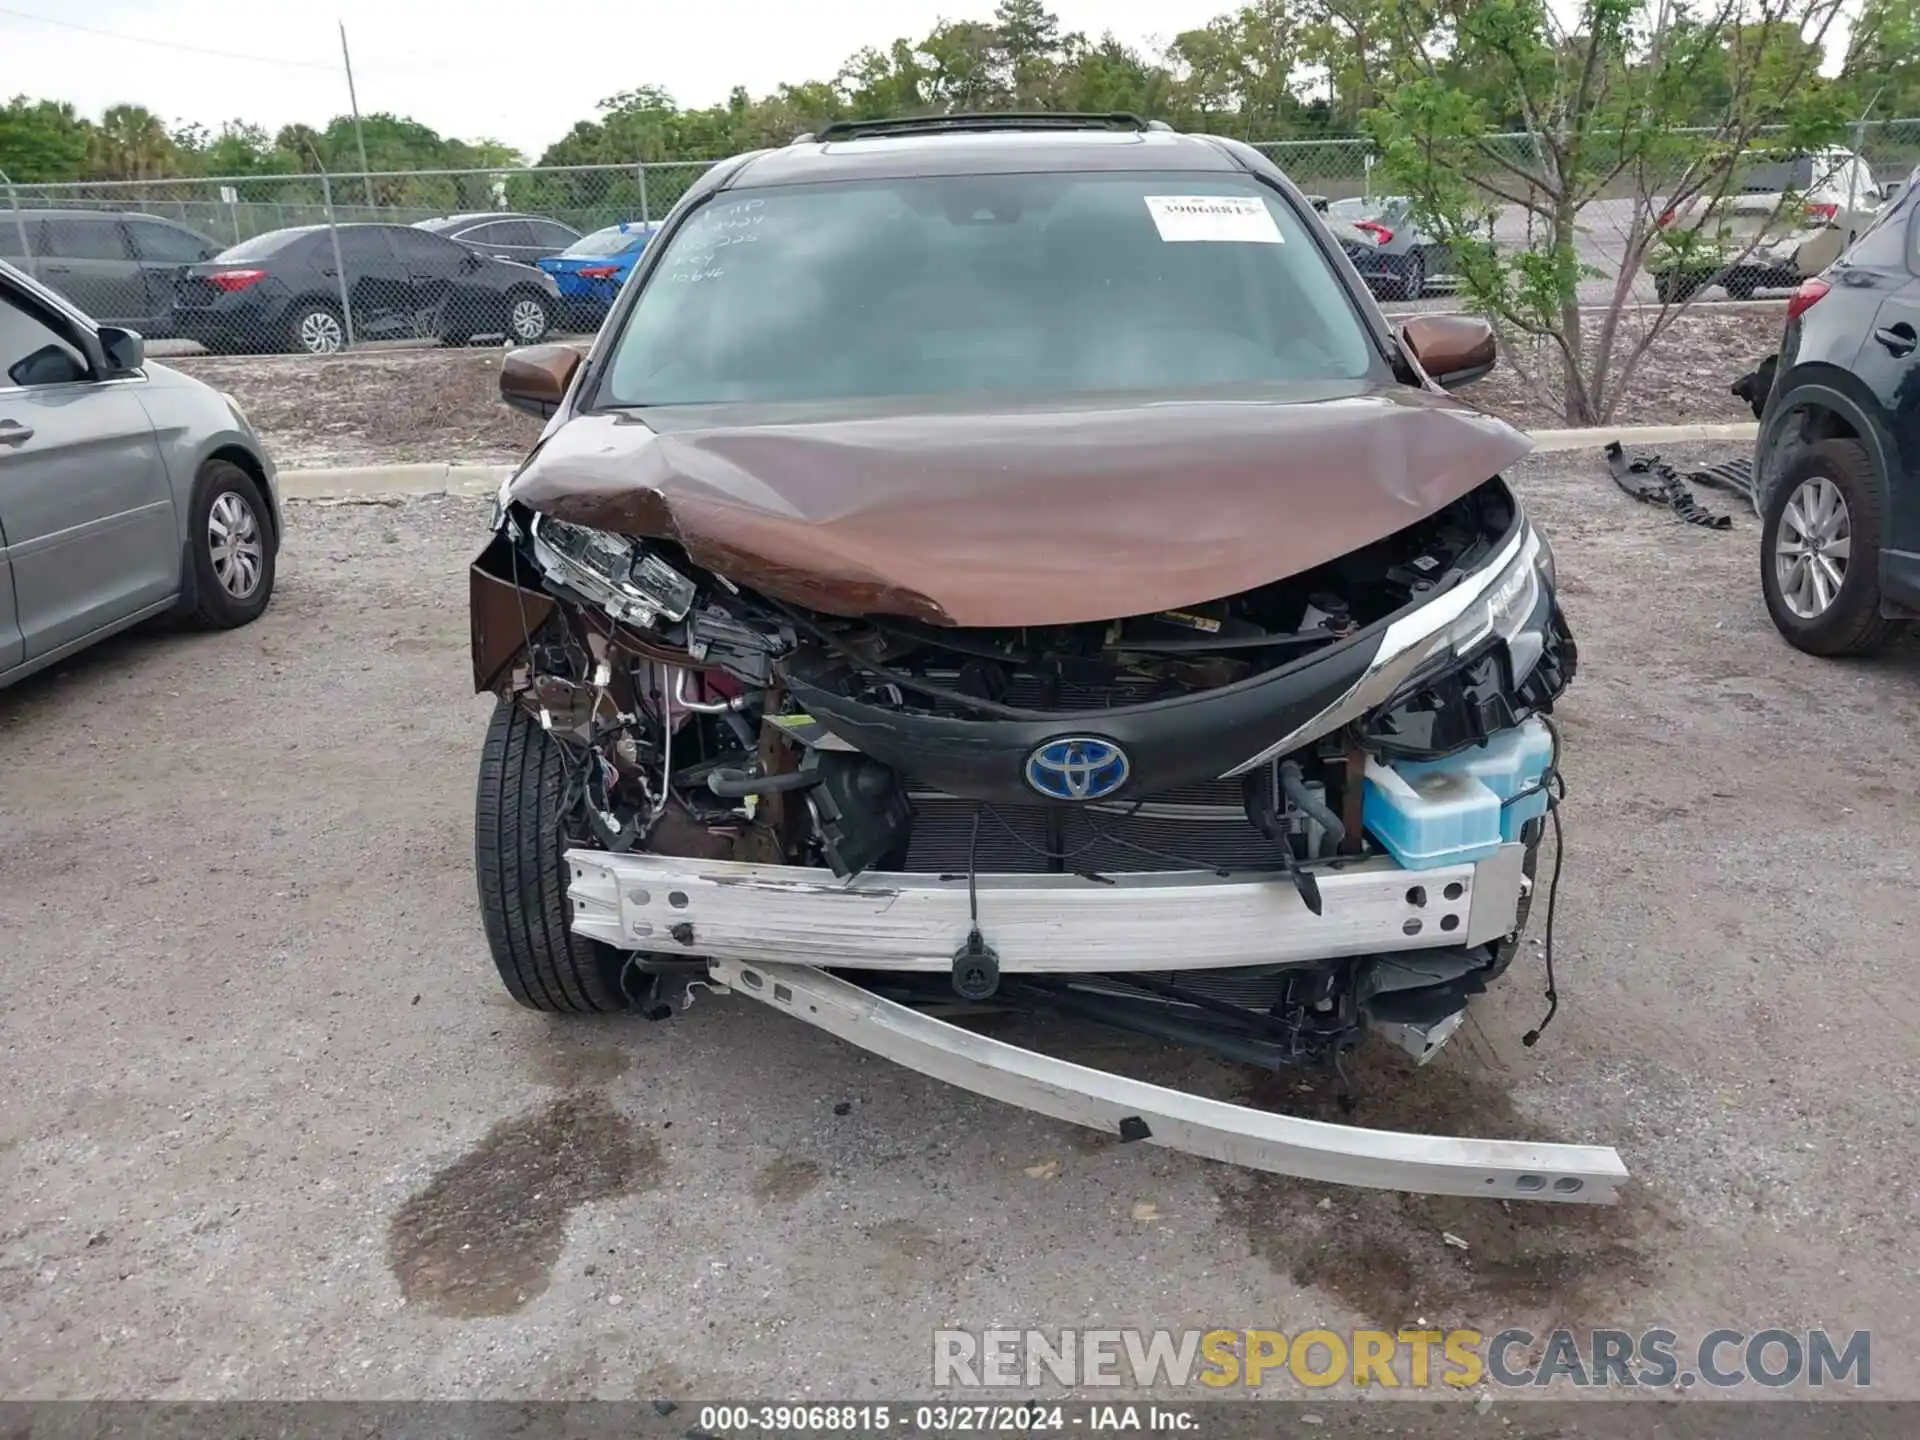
(1168, 743)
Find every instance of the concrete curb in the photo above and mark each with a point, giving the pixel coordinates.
(1594, 437)
(1402, 311)
(349, 482)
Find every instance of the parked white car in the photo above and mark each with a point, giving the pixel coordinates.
(1782, 219)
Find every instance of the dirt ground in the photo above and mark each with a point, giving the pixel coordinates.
(382, 407)
(375, 407)
(1684, 377)
(273, 1128)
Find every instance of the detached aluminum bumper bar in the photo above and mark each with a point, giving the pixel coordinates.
(1132, 1109)
(1058, 924)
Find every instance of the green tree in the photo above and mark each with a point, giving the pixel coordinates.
(131, 143)
(1029, 46)
(1348, 40)
(963, 70)
(1602, 108)
(42, 141)
(1882, 67)
(1110, 76)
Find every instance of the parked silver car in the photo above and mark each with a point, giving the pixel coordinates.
(127, 490)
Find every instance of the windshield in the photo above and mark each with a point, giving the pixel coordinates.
(1023, 284)
(614, 240)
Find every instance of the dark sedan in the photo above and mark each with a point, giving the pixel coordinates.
(526, 238)
(283, 291)
(1838, 458)
(1404, 260)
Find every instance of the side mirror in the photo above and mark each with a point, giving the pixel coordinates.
(535, 378)
(124, 349)
(1453, 349)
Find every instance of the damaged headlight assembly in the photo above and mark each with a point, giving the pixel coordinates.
(1511, 609)
(621, 576)
(1510, 597)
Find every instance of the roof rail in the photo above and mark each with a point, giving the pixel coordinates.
(981, 121)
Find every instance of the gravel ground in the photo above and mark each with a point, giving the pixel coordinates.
(273, 1129)
(380, 407)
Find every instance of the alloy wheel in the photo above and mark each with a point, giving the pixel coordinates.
(527, 320)
(1814, 544)
(320, 333)
(234, 542)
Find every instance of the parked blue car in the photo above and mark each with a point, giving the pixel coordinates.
(591, 270)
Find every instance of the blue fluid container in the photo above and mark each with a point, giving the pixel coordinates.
(1461, 809)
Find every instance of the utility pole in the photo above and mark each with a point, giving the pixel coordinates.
(353, 99)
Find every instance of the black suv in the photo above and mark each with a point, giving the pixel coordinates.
(122, 269)
(1838, 458)
(283, 291)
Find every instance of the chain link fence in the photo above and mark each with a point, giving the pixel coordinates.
(318, 263)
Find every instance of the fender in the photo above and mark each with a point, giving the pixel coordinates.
(1824, 386)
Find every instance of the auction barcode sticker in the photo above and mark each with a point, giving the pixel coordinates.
(1243, 218)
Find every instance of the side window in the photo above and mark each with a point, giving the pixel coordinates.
(85, 237)
(1891, 239)
(549, 232)
(33, 352)
(165, 245)
(424, 251)
(364, 245)
(504, 232)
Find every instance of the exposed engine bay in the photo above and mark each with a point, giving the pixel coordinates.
(704, 719)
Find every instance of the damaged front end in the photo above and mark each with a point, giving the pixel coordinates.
(1266, 825)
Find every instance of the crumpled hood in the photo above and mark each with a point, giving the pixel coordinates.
(1021, 514)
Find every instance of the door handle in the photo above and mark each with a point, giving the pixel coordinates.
(1898, 339)
(57, 269)
(12, 432)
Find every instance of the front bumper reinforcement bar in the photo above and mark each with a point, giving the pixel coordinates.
(1133, 1109)
(1047, 924)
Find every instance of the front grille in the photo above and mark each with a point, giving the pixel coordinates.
(1196, 827)
(1210, 830)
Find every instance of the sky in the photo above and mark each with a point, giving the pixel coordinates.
(494, 69)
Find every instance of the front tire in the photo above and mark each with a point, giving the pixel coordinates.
(232, 547)
(1820, 552)
(519, 847)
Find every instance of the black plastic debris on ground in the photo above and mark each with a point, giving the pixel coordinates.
(1650, 479)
